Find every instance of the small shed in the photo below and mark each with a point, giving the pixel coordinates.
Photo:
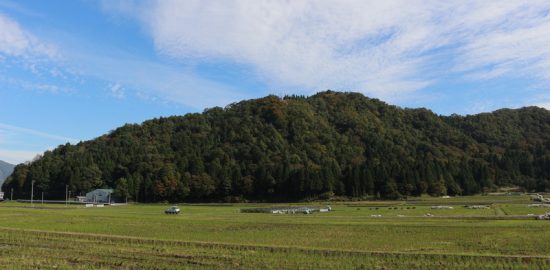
(100, 196)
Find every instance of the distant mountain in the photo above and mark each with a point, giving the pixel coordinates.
(297, 147)
(5, 170)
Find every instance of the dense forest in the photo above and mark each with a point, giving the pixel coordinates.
(294, 148)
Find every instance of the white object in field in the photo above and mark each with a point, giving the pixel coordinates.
(442, 207)
(539, 205)
(478, 207)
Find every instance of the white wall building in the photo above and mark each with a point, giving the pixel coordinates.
(100, 196)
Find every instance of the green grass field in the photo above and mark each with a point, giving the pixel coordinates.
(220, 237)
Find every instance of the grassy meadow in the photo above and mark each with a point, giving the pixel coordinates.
(218, 236)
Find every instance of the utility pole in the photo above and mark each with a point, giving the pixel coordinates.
(11, 198)
(42, 197)
(32, 193)
(66, 195)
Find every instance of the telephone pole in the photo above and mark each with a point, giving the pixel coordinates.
(32, 193)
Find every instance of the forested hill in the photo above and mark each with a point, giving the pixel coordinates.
(5, 170)
(302, 147)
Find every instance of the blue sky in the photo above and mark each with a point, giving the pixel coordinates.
(72, 70)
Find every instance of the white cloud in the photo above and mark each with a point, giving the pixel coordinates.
(314, 45)
(513, 43)
(385, 48)
(20, 50)
(15, 41)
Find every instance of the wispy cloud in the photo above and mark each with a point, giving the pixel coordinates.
(116, 90)
(15, 41)
(58, 68)
(545, 105)
(36, 133)
(153, 80)
(510, 39)
(17, 156)
(44, 87)
(19, 144)
(16, 7)
(314, 45)
(385, 48)
(28, 62)
(542, 101)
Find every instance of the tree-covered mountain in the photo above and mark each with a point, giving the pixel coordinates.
(5, 170)
(302, 147)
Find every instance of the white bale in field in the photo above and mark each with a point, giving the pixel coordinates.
(478, 207)
(442, 207)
